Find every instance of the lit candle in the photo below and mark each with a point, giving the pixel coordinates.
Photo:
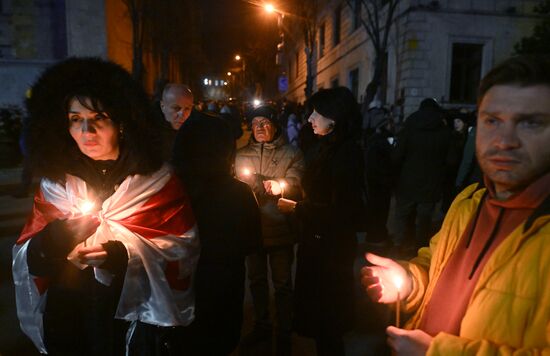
(283, 185)
(398, 281)
(86, 207)
(246, 172)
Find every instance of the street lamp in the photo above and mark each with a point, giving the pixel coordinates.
(241, 70)
(279, 59)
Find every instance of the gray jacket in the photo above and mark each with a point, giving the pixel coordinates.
(276, 160)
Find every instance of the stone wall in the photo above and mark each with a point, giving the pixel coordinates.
(420, 46)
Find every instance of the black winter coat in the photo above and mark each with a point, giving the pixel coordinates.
(80, 311)
(229, 228)
(228, 220)
(329, 214)
(423, 156)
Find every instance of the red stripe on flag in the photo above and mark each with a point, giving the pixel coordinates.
(41, 284)
(168, 212)
(43, 212)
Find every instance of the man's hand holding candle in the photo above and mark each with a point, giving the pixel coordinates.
(273, 187)
(286, 206)
(379, 279)
(408, 342)
(388, 282)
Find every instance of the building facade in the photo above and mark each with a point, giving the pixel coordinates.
(437, 49)
(36, 33)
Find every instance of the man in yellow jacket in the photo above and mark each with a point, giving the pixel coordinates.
(482, 285)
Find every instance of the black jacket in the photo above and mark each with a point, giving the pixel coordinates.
(229, 228)
(80, 312)
(228, 220)
(330, 215)
(422, 156)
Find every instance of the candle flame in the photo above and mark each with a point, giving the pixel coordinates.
(86, 207)
(246, 172)
(282, 184)
(398, 281)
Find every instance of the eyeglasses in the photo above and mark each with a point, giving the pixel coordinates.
(261, 124)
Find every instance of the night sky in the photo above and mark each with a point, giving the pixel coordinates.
(228, 28)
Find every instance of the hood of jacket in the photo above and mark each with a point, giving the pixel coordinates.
(426, 119)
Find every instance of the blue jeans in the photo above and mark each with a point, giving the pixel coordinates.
(280, 261)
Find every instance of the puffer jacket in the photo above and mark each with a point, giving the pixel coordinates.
(509, 310)
(275, 160)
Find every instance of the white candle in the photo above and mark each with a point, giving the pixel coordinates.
(398, 281)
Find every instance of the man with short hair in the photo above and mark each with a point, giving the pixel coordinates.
(481, 287)
(273, 168)
(176, 106)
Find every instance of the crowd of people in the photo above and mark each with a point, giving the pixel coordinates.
(148, 219)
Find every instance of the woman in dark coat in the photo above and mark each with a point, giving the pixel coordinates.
(330, 215)
(110, 245)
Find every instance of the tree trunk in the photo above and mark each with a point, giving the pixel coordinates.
(374, 84)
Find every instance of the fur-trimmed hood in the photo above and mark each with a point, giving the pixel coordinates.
(53, 152)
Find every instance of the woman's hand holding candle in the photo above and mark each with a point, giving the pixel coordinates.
(81, 228)
(92, 255)
(380, 279)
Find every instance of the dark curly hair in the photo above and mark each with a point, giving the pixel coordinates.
(110, 88)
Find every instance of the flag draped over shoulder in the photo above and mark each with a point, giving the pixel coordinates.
(152, 217)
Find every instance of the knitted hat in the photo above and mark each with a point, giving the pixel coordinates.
(266, 111)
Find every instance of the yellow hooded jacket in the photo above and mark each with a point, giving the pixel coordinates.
(509, 310)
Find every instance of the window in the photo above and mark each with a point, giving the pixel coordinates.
(356, 14)
(337, 22)
(289, 70)
(322, 40)
(354, 82)
(297, 64)
(465, 72)
(334, 83)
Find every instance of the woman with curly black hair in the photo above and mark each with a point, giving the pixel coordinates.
(330, 214)
(108, 252)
